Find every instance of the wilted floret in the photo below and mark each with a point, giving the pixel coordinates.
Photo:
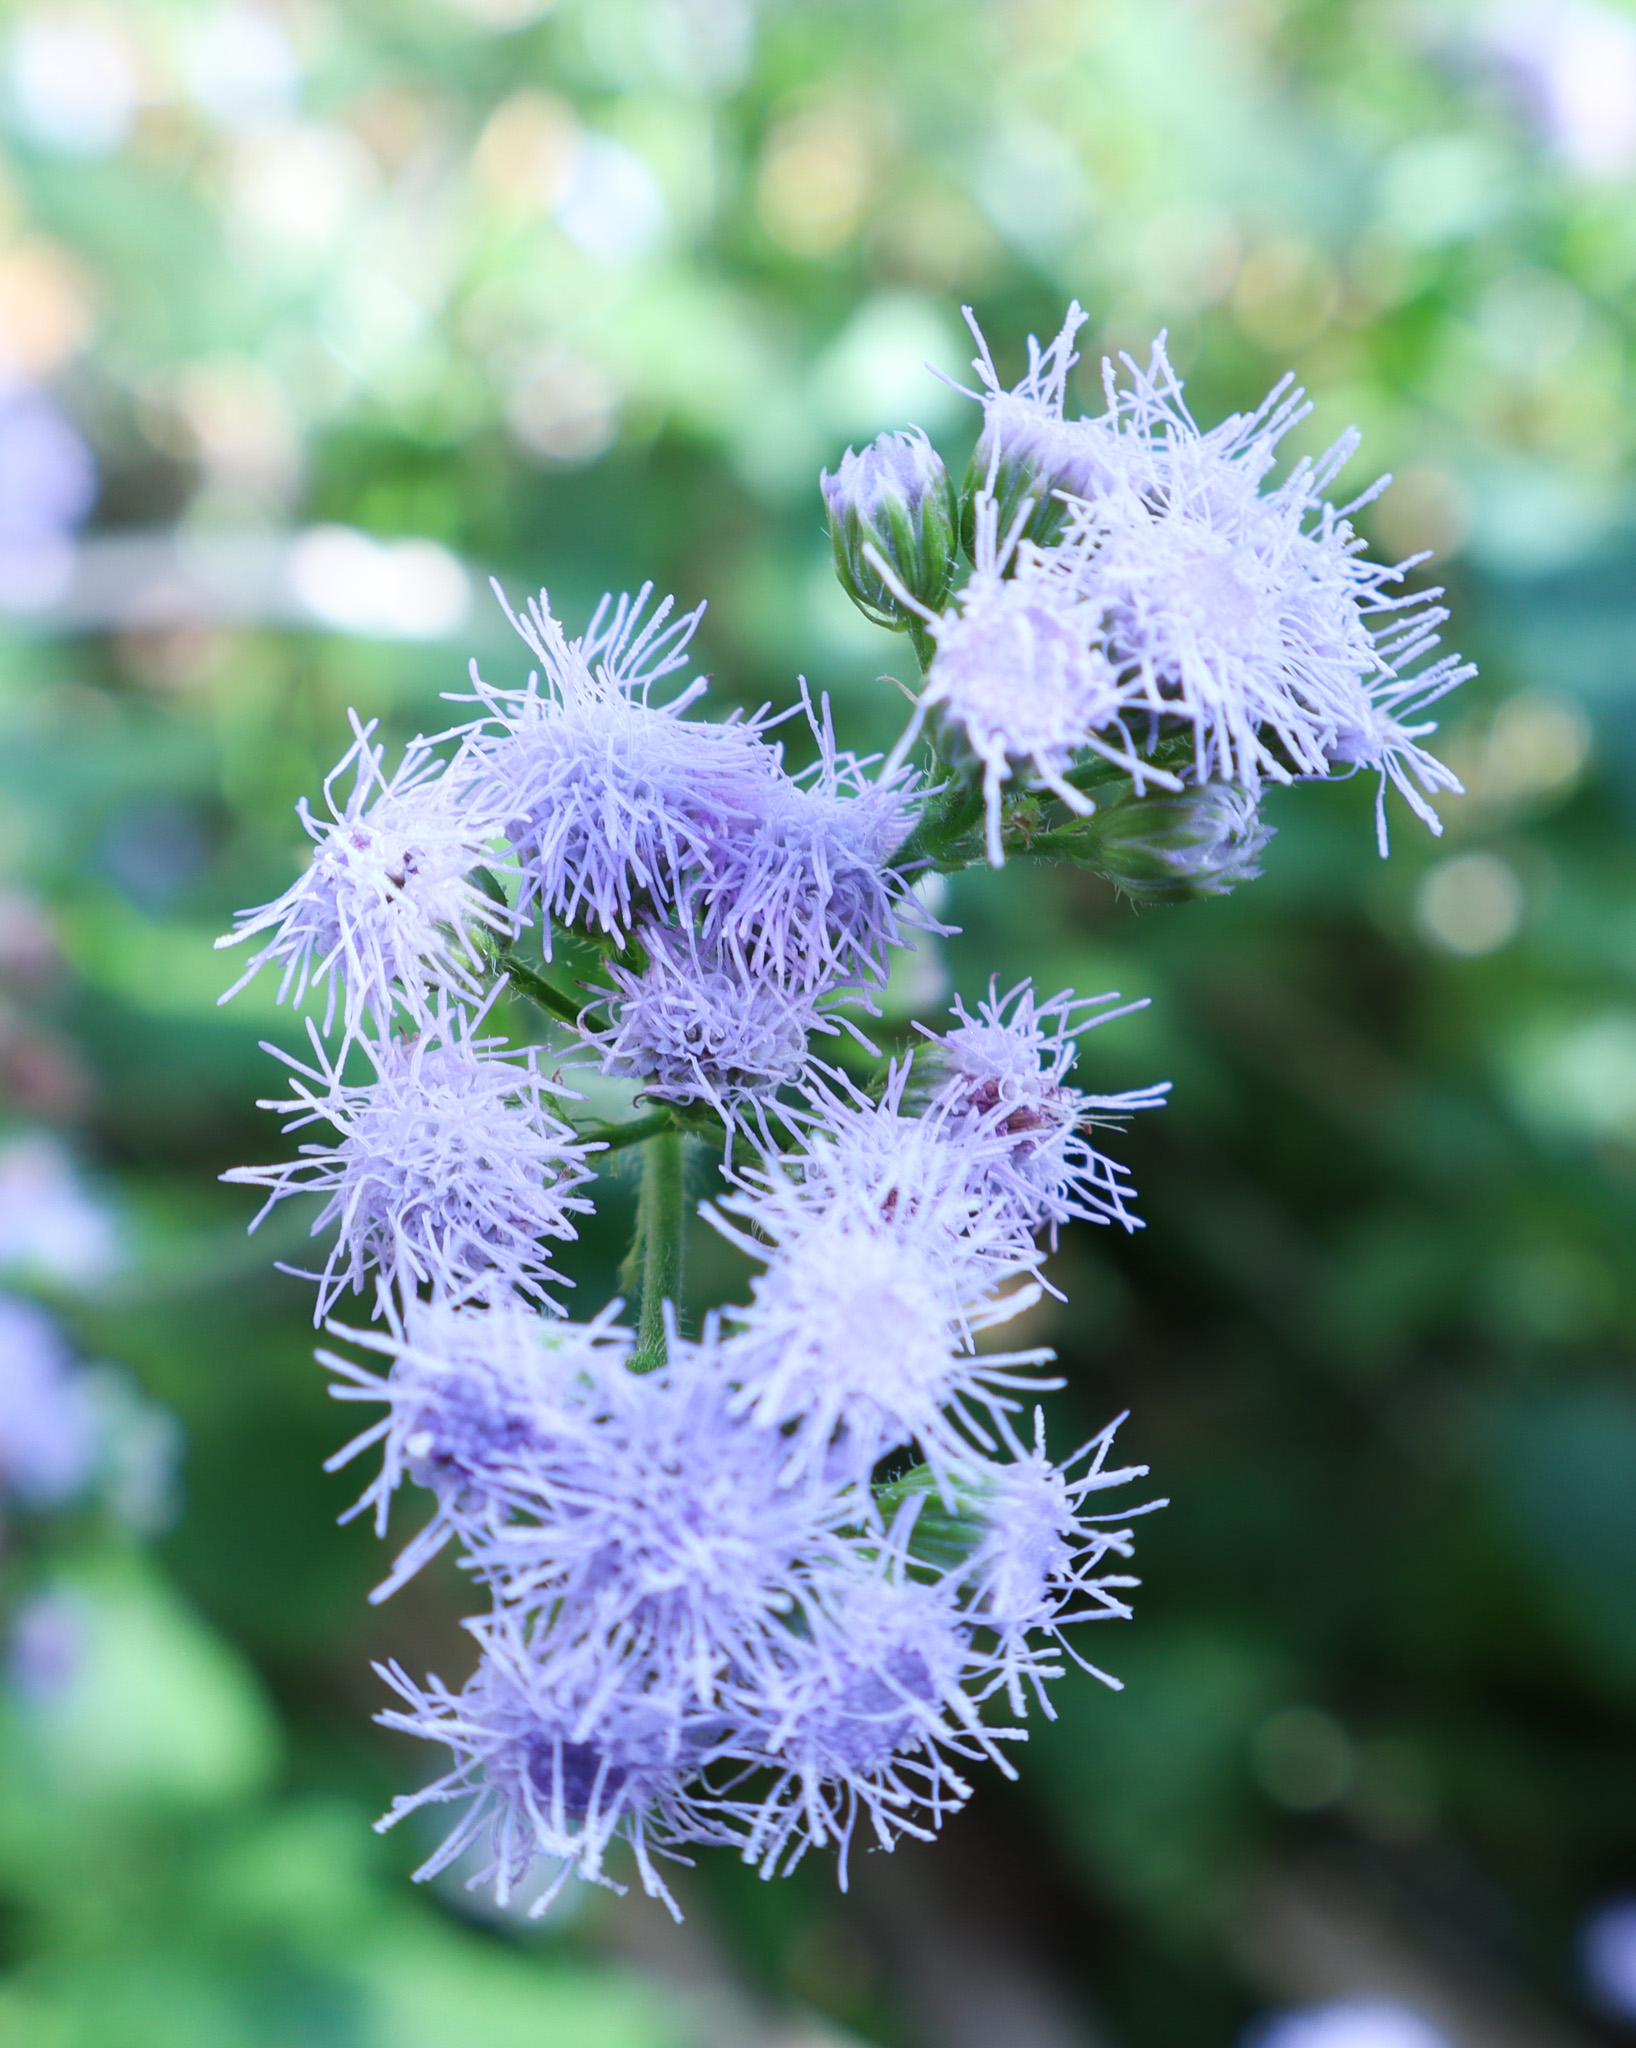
(448, 1171)
(387, 912)
(1001, 1074)
(612, 803)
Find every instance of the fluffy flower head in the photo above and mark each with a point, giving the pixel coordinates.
(386, 912)
(881, 1266)
(1020, 678)
(448, 1171)
(611, 801)
(698, 1025)
(554, 1773)
(1003, 1073)
(474, 1397)
(808, 897)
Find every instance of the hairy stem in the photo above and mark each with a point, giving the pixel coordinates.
(661, 1225)
(542, 993)
(616, 1137)
(949, 814)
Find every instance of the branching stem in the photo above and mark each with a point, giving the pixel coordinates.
(661, 1226)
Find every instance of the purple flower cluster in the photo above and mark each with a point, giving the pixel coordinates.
(1136, 579)
(789, 1573)
(708, 1622)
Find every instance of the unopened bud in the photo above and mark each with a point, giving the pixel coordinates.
(1025, 452)
(1172, 847)
(896, 498)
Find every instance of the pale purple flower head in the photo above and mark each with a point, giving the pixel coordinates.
(880, 1268)
(614, 804)
(1001, 1075)
(699, 1025)
(1248, 614)
(1036, 1568)
(449, 1168)
(1028, 448)
(669, 1527)
(1244, 615)
(1020, 680)
(808, 898)
(387, 912)
(48, 1424)
(474, 1399)
(555, 1765)
(869, 1717)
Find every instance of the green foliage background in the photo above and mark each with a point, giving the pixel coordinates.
(1375, 1337)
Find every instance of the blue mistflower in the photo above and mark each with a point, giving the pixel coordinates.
(871, 1716)
(473, 1396)
(668, 1532)
(555, 1766)
(448, 1171)
(1241, 614)
(387, 913)
(1037, 1566)
(880, 1269)
(612, 803)
(697, 1024)
(807, 897)
(1001, 1076)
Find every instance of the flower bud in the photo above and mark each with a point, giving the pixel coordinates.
(897, 497)
(1174, 847)
(1026, 452)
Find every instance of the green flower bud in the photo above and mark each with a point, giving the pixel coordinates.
(896, 497)
(1172, 847)
(1029, 452)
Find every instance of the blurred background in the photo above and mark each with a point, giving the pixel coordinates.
(313, 314)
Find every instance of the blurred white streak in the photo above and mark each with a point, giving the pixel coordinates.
(329, 577)
(74, 83)
(1574, 63)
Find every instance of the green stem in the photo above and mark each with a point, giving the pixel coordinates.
(948, 815)
(538, 990)
(615, 1137)
(660, 1234)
